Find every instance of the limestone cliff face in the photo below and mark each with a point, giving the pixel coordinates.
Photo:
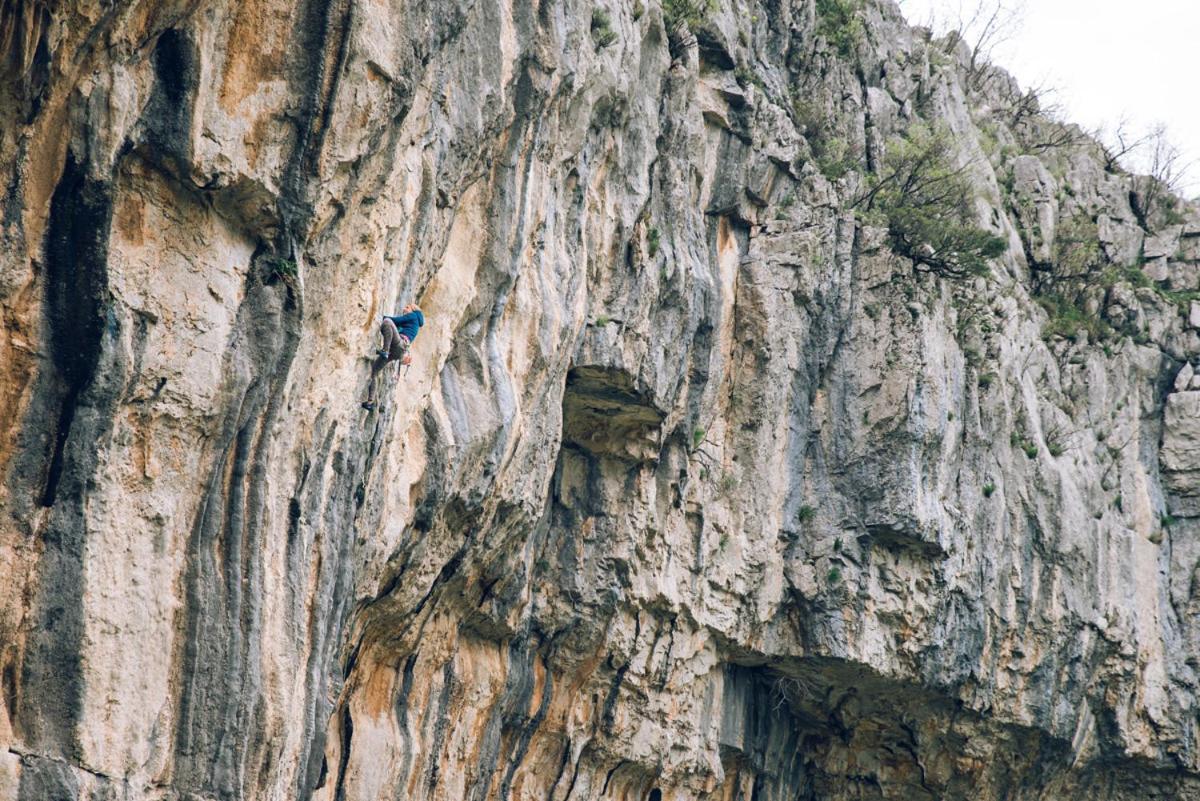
(695, 488)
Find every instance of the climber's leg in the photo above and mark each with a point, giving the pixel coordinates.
(387, 330)
(390, 336)
(395, 348)
(369, 403)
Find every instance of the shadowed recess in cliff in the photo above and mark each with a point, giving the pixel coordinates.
(25, 55)
(71, 414)
(324, 29)
(823, 728)
(76, 288)
(168, 114)
(762, 745)
(606, 415)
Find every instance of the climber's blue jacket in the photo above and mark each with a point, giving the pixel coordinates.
(409, 324)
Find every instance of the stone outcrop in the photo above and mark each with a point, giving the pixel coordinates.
(696, 489)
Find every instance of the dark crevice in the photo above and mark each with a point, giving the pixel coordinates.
(526, 726)
(610, 702)
(10, 687)
(562, 768)
(608, 777)
(441, 725)
(76, 292)
(401, 711)
(339, 793)
(323, 775)
(167, 117)
(325, 30)
(1135, 204)
(25, 30)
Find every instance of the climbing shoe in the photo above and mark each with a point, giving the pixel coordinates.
(381, 353)
(369, 405)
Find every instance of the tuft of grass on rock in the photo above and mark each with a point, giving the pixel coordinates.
(653, 238)
(602, 31)
(280, 268)
(1027, 445)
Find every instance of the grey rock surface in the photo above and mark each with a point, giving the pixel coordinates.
(696, 488)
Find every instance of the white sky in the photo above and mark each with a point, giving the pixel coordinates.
(1104, 59)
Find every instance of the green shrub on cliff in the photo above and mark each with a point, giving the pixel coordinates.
(1077, 245)
(926, 203)
(601, 28)
(839, 24)
(680, 15)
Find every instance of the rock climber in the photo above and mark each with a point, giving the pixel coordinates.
(398, 334)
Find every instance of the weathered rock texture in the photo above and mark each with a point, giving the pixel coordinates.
(695, 489)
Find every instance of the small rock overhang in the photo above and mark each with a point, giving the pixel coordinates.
(899, 538)
(903, 537)
(606, 414)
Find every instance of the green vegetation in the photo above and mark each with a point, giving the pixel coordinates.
(834, 157)
(697, 437)
(602, 320)
(805, 513)
(1024, 443)
(1137, 278)
(1055, 448)
(652, 241)
(831, 152)
(927, 205)
(280, 268)
(785, 203)
(838, 22)
(746, 76)
(1076, 245)
(989, 489)
(833, 576)
(985, 380)
(1077, 254)
(602, 31)
(685, 15)
(1119, 503)
(1067, 318)
(1172, 213)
